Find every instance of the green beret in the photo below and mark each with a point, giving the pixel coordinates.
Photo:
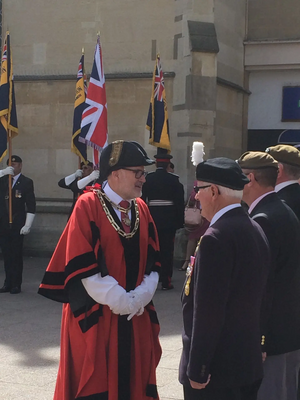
(285, 153)
(257, 160)
(222, 171)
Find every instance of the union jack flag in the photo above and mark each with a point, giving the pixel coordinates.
(94, 117)
(157, 121)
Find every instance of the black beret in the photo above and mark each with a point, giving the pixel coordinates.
(257, 160)
(15, 159)
(89, 164)
(285, 153)
(222, 171)
(120, 154)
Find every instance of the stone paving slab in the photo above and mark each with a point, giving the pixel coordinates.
(30, 338)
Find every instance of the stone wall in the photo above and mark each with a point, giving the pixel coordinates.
(231, 114)
(273, 20)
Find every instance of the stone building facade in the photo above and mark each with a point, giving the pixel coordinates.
(201, 44)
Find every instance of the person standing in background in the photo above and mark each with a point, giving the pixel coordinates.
(77, 181)
(164, 195)
(23, 213)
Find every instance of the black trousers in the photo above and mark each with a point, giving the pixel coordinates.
(166, 243)
(11, 243)
(248, 392)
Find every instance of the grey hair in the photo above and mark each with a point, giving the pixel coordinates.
(237, 194)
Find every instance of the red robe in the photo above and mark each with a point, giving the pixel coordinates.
(89, 335)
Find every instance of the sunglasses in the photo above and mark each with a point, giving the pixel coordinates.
(197, 188)
(138, 172)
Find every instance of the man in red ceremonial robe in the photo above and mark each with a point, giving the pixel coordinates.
(105, 270)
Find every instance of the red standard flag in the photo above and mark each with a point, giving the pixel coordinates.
(94, 117)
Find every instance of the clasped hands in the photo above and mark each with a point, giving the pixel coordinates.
(130, 303)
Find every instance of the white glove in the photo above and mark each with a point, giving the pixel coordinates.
(26, 228)
(71, 178)
(106, 290)
(78, 173)
(86, 180)
(144, 293)
(6, 171)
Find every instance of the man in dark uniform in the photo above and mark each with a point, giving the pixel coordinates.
(287, 185)
(23, 213)
(221, 357)
(281, 314)
(164, 195)
(87, 176)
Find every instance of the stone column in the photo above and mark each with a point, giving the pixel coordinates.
(194, 100)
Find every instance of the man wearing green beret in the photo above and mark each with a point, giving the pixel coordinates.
(281, 310)
(287, 185)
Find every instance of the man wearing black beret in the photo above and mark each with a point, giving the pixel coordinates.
(23, 213)
(281, 311)
(105, 269)
(221, 357)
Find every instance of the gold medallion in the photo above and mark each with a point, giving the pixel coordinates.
(126, 221)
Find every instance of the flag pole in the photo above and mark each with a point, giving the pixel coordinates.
(79, 159)
(9, 179)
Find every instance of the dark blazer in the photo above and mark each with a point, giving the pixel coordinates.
(23, 201)
(162, 185)
(291, 196)
(221, 314)
(282, 321)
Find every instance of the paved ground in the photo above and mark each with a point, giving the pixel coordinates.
(30, 330)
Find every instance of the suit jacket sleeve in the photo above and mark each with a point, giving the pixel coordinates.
(212, 276)
(62, 184)
(267, 300)
(30, 197)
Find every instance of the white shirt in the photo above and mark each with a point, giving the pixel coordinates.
(222, 212)
(284, 184)
(115, 198)
(15, 178)
(254, 204)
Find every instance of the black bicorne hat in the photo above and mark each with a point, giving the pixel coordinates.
(120, 154)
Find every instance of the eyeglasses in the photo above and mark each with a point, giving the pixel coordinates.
(138, 172)
(197, 188)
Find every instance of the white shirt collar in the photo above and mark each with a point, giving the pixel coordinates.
(222, 212)
(113, 196)
(254, 204)
(15, 178)
(284, 184)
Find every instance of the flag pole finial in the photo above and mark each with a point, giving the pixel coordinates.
(98, 33)
(82, 50)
